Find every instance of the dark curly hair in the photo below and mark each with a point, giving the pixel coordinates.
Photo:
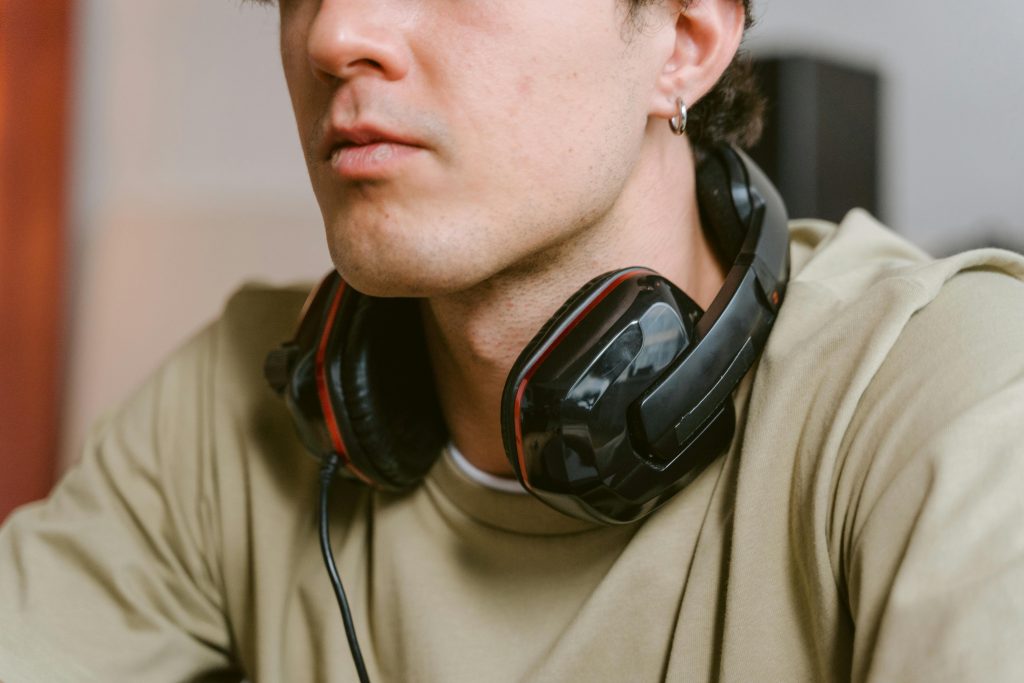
(732, 112)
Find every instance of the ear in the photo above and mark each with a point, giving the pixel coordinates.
(707, 36)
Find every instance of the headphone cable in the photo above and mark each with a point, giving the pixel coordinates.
(326, 477)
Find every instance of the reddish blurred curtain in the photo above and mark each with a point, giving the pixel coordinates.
(34, 77)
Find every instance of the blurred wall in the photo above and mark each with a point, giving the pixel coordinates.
(953, 94)
(189, 180)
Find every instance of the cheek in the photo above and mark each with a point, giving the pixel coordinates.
(306, 92)
(556, 122)
(524, 88)
(558, 86)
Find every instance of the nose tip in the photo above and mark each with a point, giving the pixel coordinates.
(345, 41)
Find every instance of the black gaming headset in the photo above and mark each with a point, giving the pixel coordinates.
(617, 403)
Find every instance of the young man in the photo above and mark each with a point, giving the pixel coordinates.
(488, 158)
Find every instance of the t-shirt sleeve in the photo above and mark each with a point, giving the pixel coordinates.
(115, 577)
(933, 533)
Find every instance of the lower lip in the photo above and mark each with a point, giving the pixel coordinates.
(378, 160)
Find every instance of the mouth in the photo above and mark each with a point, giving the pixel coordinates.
(366, 152)
(375, 160)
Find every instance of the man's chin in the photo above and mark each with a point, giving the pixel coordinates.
(417, 281)
(390, 257)
(387, 259)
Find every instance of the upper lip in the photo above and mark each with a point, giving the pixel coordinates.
(362, 134)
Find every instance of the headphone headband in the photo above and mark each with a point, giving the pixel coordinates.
(734, 330)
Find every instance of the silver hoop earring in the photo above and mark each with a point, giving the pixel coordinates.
(678, 122)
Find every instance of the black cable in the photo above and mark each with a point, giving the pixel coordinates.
(326, 477)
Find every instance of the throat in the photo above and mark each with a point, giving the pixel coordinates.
(475, 335)
(473, 339)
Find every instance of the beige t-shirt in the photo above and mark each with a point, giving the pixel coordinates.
(867, 524)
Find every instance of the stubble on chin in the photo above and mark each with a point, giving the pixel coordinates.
(387, 257)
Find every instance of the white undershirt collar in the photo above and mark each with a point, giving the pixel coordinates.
(485, 479)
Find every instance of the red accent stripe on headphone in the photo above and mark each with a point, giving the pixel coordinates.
(548, 351)
(325, 396)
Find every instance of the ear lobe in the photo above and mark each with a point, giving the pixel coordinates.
(708, 34)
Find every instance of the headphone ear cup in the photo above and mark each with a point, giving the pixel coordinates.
(571, 303)
(508, 393)
(390, 410)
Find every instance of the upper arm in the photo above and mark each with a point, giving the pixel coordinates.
(930, 541)
(115, 576)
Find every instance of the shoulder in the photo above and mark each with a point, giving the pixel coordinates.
(224, 443)
(926, 488)
(256, 319)
(206, 417)
(153, 530)
(880, 356)
(926, 339)
(219, 365)
(239, 418)
(887, 345)
(967, 339)
(895, 383)
(942, 417)
(858, 290)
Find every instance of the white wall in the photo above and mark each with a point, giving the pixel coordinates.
(188, 177)
(953, 157)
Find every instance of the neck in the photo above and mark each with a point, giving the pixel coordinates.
(474, 336)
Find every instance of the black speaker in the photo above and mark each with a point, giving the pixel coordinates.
(820, 144)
